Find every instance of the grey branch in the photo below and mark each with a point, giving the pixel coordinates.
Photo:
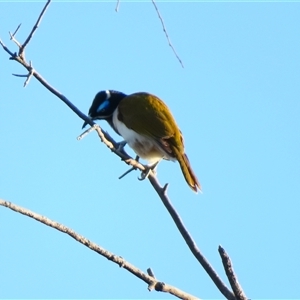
(150, 280)
(35, 27)
(114, 147)
(236, 287)
(161, 191)
(16, 30)
(166, 33)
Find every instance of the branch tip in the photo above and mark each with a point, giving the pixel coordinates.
(166, 33)
(35, 27)
(17, 30)
(127, 172)
(117, 6)
(150, 272)
(236, 287)
(12, 38)
(86, 132)
(164, 189)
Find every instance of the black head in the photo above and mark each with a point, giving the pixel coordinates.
(104, 104)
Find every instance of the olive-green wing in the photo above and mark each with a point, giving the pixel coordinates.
(147, 115)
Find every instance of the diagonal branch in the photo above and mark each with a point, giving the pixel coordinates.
(113, 146)
(35, 27)
(161, 191)
(150, 280)
(190, 241)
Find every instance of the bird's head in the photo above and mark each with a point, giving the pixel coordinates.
(104, 104)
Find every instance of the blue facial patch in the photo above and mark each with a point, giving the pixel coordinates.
(103, 105)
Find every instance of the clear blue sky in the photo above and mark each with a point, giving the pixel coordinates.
(237, 104)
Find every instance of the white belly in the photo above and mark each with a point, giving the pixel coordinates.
(144, 147)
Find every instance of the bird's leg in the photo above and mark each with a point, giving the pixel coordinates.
(131, 169)
(147, 170)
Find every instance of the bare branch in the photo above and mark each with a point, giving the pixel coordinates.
(190, 241)
(158, 286)
(17, 30)
(166, 33)
(236, 287)
(35, 27)
(110, 143)
(114, 147)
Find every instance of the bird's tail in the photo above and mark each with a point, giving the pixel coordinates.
(188, 173)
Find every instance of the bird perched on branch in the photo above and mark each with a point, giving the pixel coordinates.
(147, 125)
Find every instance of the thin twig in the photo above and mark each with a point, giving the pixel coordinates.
(110, 143)
(159, 286)
(7, 50)
(12, 38)
(17, 30)
(19, 75)
(80, 137)
(166, 33)
(117, 6)
(35, 27)
(236, 287)
(150, 272)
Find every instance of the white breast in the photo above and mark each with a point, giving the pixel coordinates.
(143, 146)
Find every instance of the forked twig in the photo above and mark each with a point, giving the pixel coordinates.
(166, 33)
(28, 76)
(110, 143)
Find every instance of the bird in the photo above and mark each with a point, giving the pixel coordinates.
(147, 126)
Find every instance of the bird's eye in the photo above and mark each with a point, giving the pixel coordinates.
(103, 106)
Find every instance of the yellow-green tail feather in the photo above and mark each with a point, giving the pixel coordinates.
(188, 173)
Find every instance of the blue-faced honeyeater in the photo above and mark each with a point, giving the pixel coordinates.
(147, 125)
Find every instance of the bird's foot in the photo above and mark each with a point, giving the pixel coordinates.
(131, 169)
(148, 169)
